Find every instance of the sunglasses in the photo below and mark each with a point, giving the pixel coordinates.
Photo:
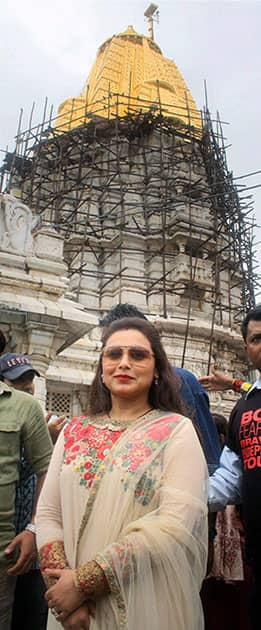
(136, 354)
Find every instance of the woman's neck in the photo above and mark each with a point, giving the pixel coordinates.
(132, 409)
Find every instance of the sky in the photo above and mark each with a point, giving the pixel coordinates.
(47, 49)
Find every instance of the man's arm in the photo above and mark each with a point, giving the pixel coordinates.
(37, 450)
(219, 382)
(226, 482)
(26, 540)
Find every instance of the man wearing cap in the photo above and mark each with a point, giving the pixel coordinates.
(23, 430)
(17, 371)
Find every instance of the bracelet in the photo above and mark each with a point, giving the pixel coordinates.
(237, 384)
(245, 387)
(30, 527)
(240, 386)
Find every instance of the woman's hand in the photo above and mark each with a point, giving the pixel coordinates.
(63, 597)
(78, 620)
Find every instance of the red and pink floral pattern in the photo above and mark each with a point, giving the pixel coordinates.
(144, 446)
(86, 446)
(143, 442)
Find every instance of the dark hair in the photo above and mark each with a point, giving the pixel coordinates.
(255, 315)
(165, 395)
(27, 377)
(221, 423)
(2, 342)
(119, 312)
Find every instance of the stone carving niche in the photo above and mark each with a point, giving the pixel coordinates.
(16, 224)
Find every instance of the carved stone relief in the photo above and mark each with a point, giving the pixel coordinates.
(16, 223)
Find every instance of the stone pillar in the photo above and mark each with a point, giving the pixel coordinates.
(40, 390)
(41, 350)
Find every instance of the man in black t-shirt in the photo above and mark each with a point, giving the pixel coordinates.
(238, 477)
(244, 438)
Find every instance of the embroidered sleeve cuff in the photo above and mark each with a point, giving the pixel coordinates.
(52, 556)
(91, 580)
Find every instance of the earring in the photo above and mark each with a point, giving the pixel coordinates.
(156, 380)
(102, 378)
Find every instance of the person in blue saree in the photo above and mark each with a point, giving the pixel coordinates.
(122, 518)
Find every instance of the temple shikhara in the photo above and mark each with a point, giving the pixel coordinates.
(124, 196)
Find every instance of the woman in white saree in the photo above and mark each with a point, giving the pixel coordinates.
(122, 517)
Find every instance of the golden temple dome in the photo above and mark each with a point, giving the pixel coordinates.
(130, 75)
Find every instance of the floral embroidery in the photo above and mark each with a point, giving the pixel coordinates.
(138, 452)
(147, 484)
(86, 446)
(115, 460)
(121, 553)
(90, 579)
(52, 556)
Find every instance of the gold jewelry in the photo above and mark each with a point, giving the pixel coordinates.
(121, 421)
(113, 424)
(90, 580)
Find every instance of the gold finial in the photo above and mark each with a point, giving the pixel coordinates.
(151, 11)
(129, 31)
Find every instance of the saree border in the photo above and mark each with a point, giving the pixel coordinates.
(114, 588)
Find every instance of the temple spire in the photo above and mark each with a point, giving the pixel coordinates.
(131, 75)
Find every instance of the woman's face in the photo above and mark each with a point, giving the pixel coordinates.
(128, 364)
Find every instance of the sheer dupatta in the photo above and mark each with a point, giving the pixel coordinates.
(145, 524)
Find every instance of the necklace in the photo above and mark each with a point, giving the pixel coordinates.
(122, 421)
(107, 422)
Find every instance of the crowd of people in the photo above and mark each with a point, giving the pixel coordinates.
(122, 522)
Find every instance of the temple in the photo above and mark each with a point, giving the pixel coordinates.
(124, 196)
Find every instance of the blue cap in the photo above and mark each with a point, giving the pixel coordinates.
(14, 365)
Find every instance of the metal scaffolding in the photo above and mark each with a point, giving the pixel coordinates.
(142, 186)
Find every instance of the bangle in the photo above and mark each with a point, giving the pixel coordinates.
(30, 527)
